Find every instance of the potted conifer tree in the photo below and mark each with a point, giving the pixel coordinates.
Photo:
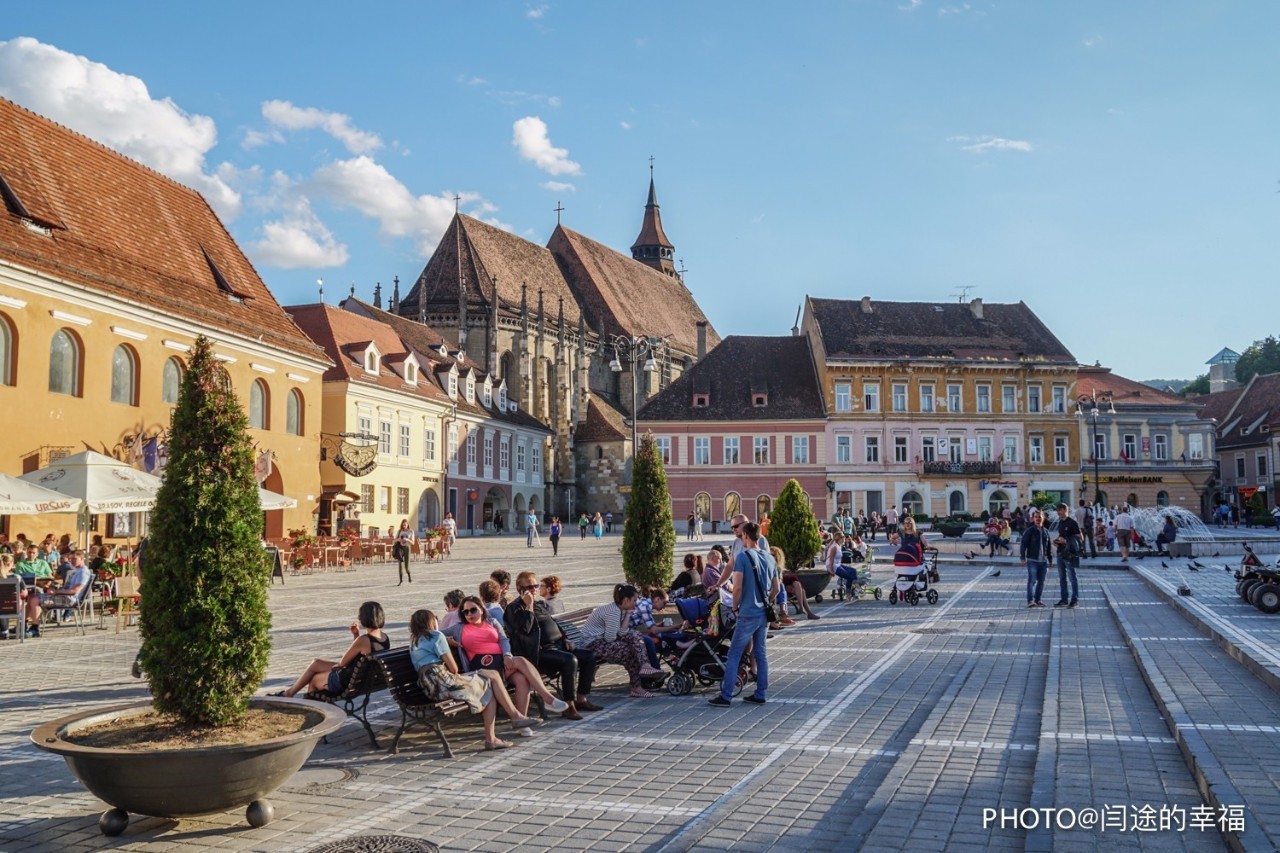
(649, 537)
(202, 745)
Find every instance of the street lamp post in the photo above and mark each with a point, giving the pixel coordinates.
(635, 348)
(1090, 405)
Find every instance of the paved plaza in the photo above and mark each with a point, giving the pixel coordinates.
(888, 727)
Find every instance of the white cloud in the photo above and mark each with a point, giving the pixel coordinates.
(471, 80)
(983, 144)
(911, 5)
(1092, 40)
(283, 114)
(559, 187)
(536, 12)
(625, 125)
(117, 110)
(513, 97)
(364, 185)
(529, 136)
(297, 239)
(258, 138)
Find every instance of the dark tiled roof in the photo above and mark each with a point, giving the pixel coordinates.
(1124, 392)
(620, 295)
(1217, 404)
(1258, 404)
(425, 341)
(487, 253)
(923, 330)
(651, 233)
(604, 421)
(780, 367)
(118, 228)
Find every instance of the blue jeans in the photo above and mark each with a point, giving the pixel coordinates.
(1036, 570)
(747, 627)
(651, 649)
(1067, 569)
(847, 574)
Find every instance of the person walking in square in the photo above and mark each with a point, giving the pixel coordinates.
(553, 533)
(755, 582)
(1035, 551)
(1124, 531)
(532, 539)
(582, 526)
(1070, 544)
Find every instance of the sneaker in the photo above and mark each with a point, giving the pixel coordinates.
(33, 631)
(1062, 603)
(1038, 604)
(646, 671)
(557, 705)
(719, 702)
(1030, 605)
(524, 732)
(754, 699)
(1071, 603)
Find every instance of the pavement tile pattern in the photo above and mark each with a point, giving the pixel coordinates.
(888, 727)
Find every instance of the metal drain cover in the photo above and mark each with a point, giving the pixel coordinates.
(377, 844)
(316, 777)
(934, 631)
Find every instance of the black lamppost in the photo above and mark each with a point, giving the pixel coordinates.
(635, 348)
(1090, 405)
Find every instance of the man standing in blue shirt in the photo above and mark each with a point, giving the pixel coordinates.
(755, 581)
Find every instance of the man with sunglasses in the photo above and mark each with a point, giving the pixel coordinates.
(755, 581)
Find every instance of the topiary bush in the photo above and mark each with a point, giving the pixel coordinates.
(204, 618)
(649, 534)
(793, 526)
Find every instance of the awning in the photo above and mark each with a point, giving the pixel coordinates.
(340, 497)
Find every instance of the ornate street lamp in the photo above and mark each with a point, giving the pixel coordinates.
(635, 348)
(1090, 405)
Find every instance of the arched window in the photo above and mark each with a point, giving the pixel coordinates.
(171, 382)
(732, 505)
(957, 502)
(764, 504)
(8, 351)
(1102, 499)
(259, 405)
(997, 503)
(912, 503)
(64, 363)
(506, 366)
(293, 413)
(124, 376)
(702, 505)
(1132, 500)
(1162, 499)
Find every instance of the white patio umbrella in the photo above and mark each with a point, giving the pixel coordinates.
(18, 497)
(102, 483)
(274, 500)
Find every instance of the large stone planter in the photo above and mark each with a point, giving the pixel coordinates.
(185, 782)
(951, 529)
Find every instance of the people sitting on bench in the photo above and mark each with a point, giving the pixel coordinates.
(333, 676)
(608, 633)
(438, 675)
(536, 635)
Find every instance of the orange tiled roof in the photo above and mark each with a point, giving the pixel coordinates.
(113, 226)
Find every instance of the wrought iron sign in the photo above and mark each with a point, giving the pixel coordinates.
(354, 452)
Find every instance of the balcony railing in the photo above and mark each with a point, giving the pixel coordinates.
(962, 469)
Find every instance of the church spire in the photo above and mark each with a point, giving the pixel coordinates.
(652, 248)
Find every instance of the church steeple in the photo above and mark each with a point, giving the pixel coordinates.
(652, 247)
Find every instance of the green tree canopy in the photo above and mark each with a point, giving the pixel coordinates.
(205, 575)
(793, 526)
(649, 537)
(1261, 357)
(1199, 385)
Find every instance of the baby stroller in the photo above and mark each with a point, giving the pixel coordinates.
(917, 571)
(857, 583)
(696, 656)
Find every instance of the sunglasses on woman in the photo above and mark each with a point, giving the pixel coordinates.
(470, 611)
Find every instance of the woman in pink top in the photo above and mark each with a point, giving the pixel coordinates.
(484, 645)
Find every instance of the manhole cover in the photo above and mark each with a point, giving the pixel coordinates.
(317, 777)
(377, 844)
(934, 631)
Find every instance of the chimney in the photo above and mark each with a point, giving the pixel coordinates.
(702, 339)
(976, 307)
(866, 305)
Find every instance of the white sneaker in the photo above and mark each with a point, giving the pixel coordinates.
(557, 705)
(524, 732)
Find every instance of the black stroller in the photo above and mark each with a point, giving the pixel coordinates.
(696, 656)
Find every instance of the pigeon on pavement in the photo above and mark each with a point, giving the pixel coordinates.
(1217, 553)
(996, 573)
(1163, 564)
(970, 555)
(1193, 567)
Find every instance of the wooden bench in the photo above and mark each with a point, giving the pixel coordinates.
(401, 679)
(367, 678)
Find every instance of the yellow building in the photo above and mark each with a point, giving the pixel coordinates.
(108, 273)
(942, 408)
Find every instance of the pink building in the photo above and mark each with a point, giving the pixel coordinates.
(740, 423)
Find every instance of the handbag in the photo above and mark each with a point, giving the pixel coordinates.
(770, 610)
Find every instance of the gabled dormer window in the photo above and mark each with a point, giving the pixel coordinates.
(701, 401)
(502, 397)
(471, 388)
(371, 359)
(443, 350)
(452, 384)
(488, 393)
(411, 372)
(759, 400)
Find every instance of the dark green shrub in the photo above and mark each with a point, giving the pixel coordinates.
(793, 526)
(648, 534)
(205, 575)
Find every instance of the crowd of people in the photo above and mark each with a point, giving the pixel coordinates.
(53, 574)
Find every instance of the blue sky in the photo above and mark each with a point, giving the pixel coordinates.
(1114, 165)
